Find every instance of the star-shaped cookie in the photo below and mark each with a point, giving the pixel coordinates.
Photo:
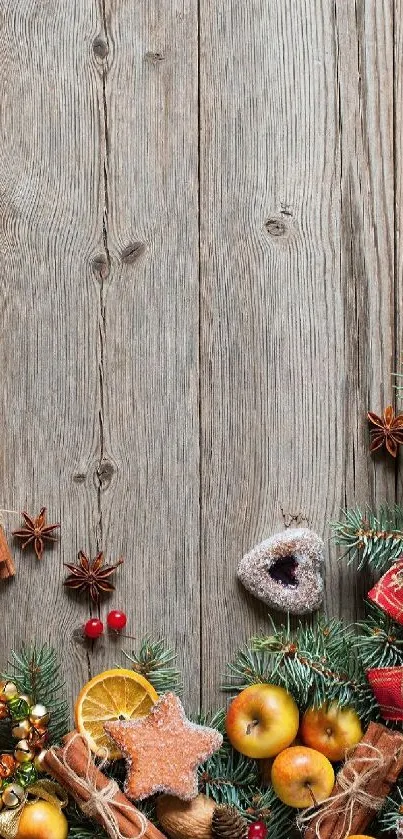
(163, 750)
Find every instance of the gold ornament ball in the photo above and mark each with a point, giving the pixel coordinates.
(42, 820)
(39, 715)
(12, 796)
(23, 751)
(21, 730)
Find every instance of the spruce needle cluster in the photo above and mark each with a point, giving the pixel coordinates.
(373, 539)
(315, 664)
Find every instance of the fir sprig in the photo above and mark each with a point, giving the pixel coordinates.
(229, 777)
(264, 804)
(379, 641)
(374, 539)
(36, 672)
(392, 811)
(316, 664)
(80, 827)
(156, 661)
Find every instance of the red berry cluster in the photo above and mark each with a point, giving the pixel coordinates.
(115, 620)
(257, 830)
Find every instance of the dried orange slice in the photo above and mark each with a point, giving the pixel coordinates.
(113, 695)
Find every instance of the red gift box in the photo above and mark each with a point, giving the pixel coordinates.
(387, 684)
(388, 592)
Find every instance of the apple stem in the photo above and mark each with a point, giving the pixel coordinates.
(310, 790)
(251, 726)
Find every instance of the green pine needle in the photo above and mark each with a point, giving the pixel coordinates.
(315, 664)
(156, 662)
(264, 804)
(379, 642)
(229, 777)
(374, 539)
(80, 827)
(36, 672)
(392, 811)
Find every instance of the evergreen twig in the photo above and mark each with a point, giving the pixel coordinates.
(315, 664)
(379, 641)
(392, 811)
(264, 804)
(36, 672)
(156, 661)
(229, 777)
(374, 539)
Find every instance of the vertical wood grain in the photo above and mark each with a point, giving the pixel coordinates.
(297, 253)
(398, 206)
(50, 231)
(300, 204)
(149, 325)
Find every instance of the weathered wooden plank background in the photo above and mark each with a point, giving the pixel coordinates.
(200, 271)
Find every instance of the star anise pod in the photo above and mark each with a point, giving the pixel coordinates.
(91, 576)
(388, 431)
(37, 531)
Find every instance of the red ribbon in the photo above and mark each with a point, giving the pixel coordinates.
(387, 684)
(388, 592)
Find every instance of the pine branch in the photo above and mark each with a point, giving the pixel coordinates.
(80, 827)
(36, 672)
(265, 805)
(374, 539)
(156, 662)
(392, 811)
(379, 642)
(315, 664)
(227, 774)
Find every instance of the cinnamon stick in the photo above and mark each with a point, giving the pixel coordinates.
(58, 763)
(376, 739)
(7, 567)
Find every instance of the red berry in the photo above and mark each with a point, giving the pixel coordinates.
(257, 830)
(116, 620)
(93, 628)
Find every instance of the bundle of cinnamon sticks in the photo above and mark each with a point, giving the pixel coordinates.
(74, 769)
(378, 761)
(7, 568)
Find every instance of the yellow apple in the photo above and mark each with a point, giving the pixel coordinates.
(302, 777)
(262, 720)
(331, 730)
(42, 820)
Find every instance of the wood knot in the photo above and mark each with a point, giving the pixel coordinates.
(79, 478)
(100, 48)
(154, 57)
(132, 252)
(105, 473)
(100, 266)
(276, 226)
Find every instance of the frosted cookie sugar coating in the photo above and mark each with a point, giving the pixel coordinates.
(163, 750)
(286, 570)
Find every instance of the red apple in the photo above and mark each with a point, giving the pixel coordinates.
(302, 777)
(331, 730)
(262, 720)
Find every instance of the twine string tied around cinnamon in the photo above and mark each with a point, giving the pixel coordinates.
(100, 803)
(353, 793)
